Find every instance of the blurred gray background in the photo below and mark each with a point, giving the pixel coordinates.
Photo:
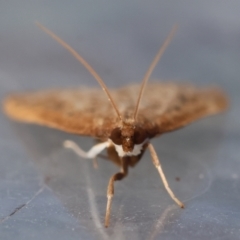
(48, 192)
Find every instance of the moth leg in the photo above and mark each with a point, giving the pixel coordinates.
(157, 164)
(92, 153)
(110, 190)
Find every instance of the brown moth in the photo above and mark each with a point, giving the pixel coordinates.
(124, 121)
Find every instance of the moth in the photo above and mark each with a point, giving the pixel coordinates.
(124, 119)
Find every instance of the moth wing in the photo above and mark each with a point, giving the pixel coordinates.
(78, 111)
(167, 107)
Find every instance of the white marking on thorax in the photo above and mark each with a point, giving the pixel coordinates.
(136, 150)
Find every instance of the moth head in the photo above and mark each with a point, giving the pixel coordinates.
(128, 136)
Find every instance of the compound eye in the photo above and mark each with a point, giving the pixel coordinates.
(139, 135)
(116, 136)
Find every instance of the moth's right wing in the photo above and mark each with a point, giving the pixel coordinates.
(79, 111)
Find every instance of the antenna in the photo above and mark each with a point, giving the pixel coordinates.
(84, 63)
(152, 66)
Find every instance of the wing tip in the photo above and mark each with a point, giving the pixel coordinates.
(10, 106)
(221, 100)
(7, 106)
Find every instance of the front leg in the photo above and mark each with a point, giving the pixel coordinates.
(157, 164)
(92, 153)
(110, 190)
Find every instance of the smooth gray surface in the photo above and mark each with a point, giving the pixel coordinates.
(62, 196)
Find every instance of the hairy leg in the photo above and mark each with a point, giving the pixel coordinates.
(110, 190)
(157, 164)
(92, 153)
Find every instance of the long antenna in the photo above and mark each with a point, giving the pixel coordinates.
(152, 66)
(84, 63)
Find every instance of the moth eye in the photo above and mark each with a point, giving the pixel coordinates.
(139, 136)
(116, 136)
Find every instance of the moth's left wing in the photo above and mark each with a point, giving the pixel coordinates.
(167, 107)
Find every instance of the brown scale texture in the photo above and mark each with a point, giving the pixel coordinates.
(164, 107)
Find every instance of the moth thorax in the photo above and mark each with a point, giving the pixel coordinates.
(128, 136)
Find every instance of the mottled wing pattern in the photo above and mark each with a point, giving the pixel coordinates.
(168, 107)
(164, 107)
(80, 111)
